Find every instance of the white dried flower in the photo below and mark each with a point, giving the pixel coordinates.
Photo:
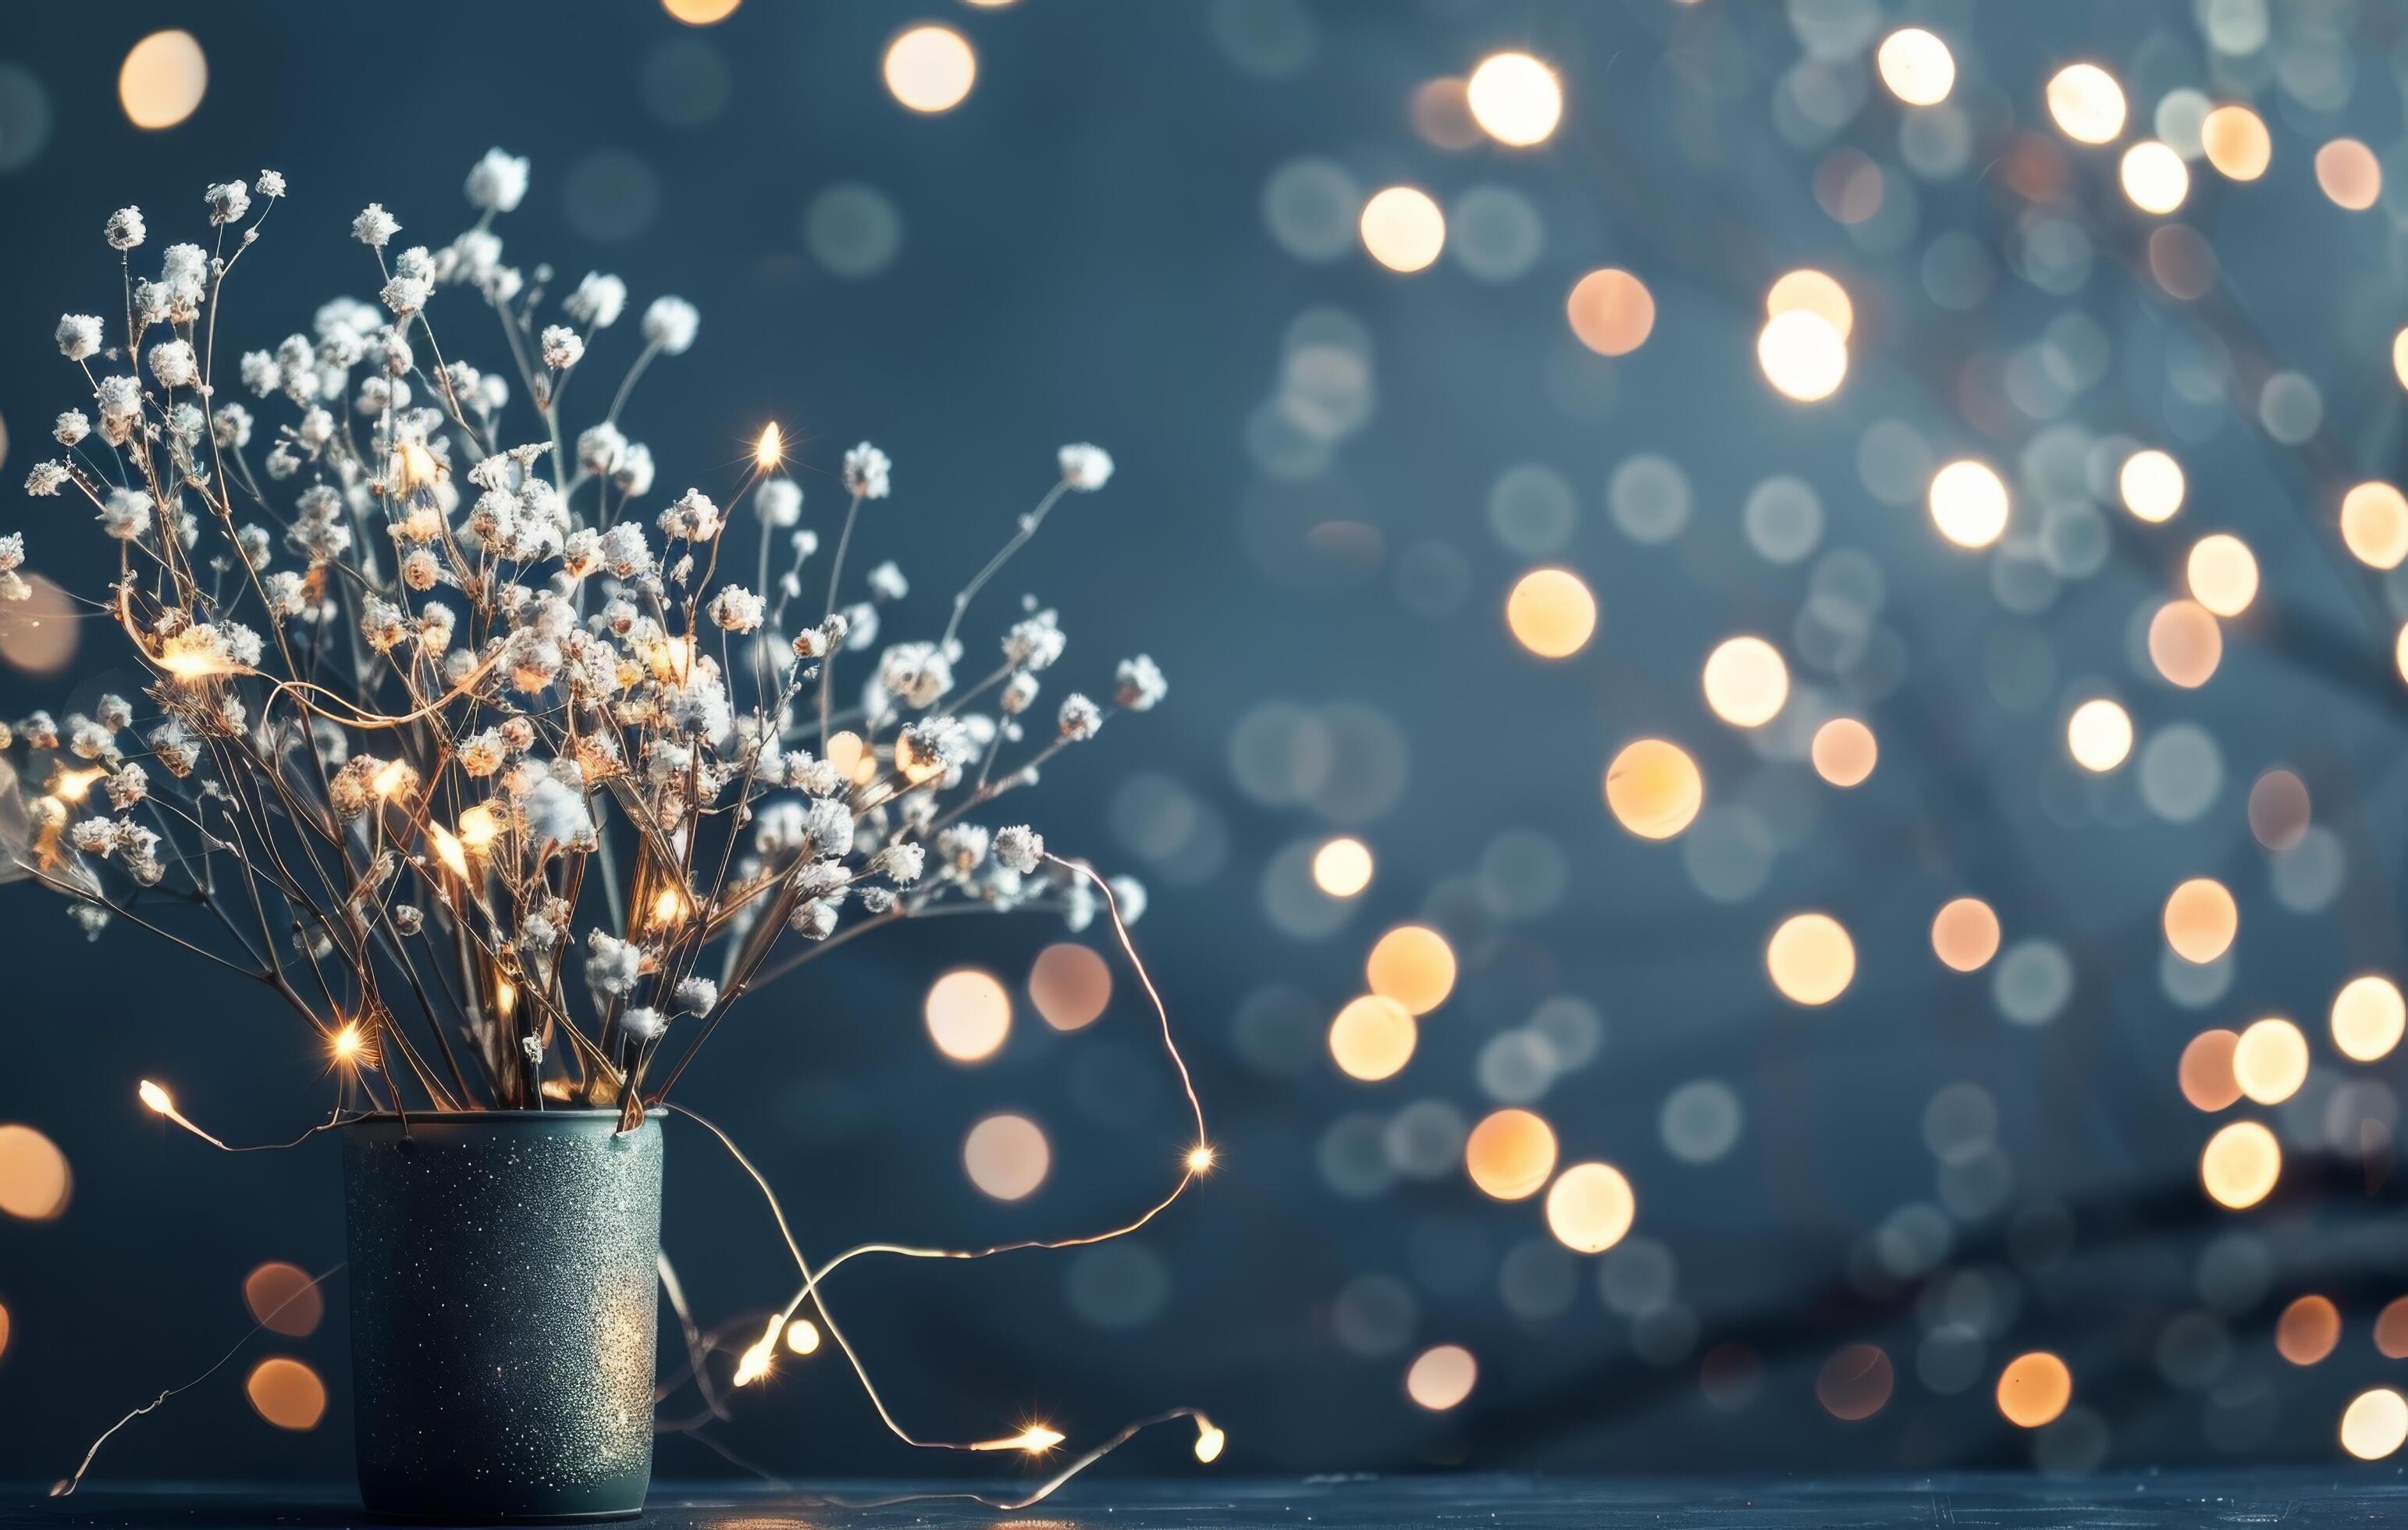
(900, 864)
(228, 202)
(498, 182)
(695, 995)
(374, 226)
(693, 518)
(644, 1023)
(915, 674)
(778, 502)
(79, 335)
(670, 323)
(1019, 846)
(886, 582)
(737, 610)
(1138, 685)
(47, 478)
(868, 472)
(270, 183)
(601, 448)
(1085, 467)
(175, 364)
(126, 515)
(1081, 716)
(70, 427)
(125, 230)
(561, 347)
(405, 294)
(597, 302)
(1034, 643)
(612, 965)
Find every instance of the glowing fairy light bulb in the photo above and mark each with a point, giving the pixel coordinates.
(1200, 1158)
(1402, 228)
(754, 1362)
(2087, 103)
(447, 849)
(1209, 1440)
(71, 785)
(771, 448)
(1916, 66)
(2155, 177)
(1035, 1440)
(394, 777)
(156, 1098)
(480, 826)
(348, 1043)
(2098, 734)
(803, 1336)
(2374, 1424)
(672, 905)
(1802, 356)
(1341, 868)
(1968, 503)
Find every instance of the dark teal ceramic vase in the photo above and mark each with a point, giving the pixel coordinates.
(504, 1304)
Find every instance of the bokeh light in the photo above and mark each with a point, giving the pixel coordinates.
(2185, 643)
(1412, 965)
(1916, 66)
(2349, 174)
(2151, 484)
(2223, 574)
(163, 79)
(286, 1392)
(968, 1014)
(1372, 1037)
(1746, 681)
(1007, 1156)
(1968, 503)
(1965, 933)
(1515, 99)
(2086, 103)
(1071, 985)
(1815, 292)
(2391, 1329)
(1802, 356)
(2270, 1061)
(2200, 920)
(2368, 1018)
(2374, 1424)
(2098, 734)
(1342, 866)
(701, 12)
(930, 68)
(1811, 959)
(2374, 524)
(1403, 229)
(2308, 1330)
(1844, 752)
(283, 1298)
(1510, 1153)
(2154, 178)
(1441, 1376)
(1589, 1206)
(1654, 788)
(2205, 1072)
(1610, 311)
(1551, 612)
(40, 633)
(2034, 1388)
(2240, 1164)
(2235, 141)
(35, 1184)
(803, 1337)
(1855, 1383)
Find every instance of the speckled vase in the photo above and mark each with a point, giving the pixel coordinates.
(504, 1305)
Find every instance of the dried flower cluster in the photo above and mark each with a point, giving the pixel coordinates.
(466, 747)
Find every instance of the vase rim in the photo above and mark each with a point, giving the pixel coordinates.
(451, 1118)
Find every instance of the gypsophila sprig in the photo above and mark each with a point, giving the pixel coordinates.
(458, 739)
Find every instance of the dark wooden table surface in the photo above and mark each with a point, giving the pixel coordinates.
(2291, 1498)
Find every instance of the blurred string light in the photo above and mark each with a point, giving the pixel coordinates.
(1342, 866)
(1590, 1207)
(2308, 1330)
(1441, 1376)
(2034, 1388)
(1745, 681)
(2154, 178)
(2349, 174)
(2374, 524)
(701, 12)
(2223, 574)
(1372, 1037)
(2374, 1424)
(1610, 311)
(1844, 752)
(1855, 1383)
(1412, 965)
(2185, 643)
(2270, 1060)
(2368, 1018)
(2236, 143)
(2098, 734)
(2205, 1071)
(1511, 1154)
(930, 68)
(284, 1299)
(1916, 66)
(1803, 354)
(1551, 612)
(2086, 103)
(34, 1181)
(1515, 99)
(163, 79)
(2240, 1164)
(1968, 503)
(286, 1392)
(1403, 229)
(1815, 292)
(1965, 933)
(1811, 958)
(2200, 920)
(1006, 1156)
(2151, 484)
(1071, 985)
(968, 1014)
(1654, 788)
